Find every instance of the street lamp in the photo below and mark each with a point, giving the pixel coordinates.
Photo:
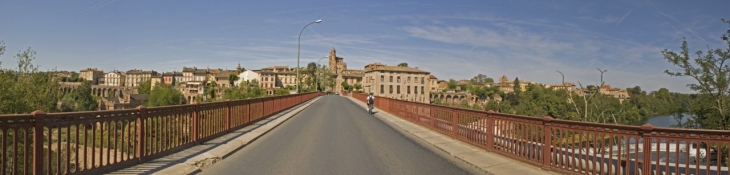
(299, 41)
(318, 76)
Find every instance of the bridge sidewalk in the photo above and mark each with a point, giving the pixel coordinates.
(192, 160)
(491, 163)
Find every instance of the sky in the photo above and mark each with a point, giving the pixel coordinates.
(531, 40)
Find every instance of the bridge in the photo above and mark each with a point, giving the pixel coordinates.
(327, 134)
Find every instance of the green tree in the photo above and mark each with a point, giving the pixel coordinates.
(403, 64)
(480, 79)
(358, 86)
(80, 99)
(209, 92)
(232, 78)
(164, 95)
(516, 86)
(281, 91)
(451, 85)
(711, 70)
(345, 85)
(26, 89)
(145, 87)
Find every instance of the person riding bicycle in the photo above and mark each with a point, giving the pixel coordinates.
(371, 103)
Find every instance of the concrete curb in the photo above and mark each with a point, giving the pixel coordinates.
(479, 161)
(215, 150)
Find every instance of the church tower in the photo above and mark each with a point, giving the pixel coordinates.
(333, 61)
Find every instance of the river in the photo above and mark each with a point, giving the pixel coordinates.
(664, 120)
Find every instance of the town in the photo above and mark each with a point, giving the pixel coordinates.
(119, 89)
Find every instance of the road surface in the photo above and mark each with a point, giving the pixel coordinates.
(334, 136)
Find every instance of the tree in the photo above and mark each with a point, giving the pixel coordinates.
(232, 78)
(480, 79)
(358, 86)
(26, 89)
(516, 86)
(145, 87)
(164, 95)
(451, 85)
(80, 99)
(281, 91)
(345, 85)
(711, 70)
(489, 80)
(210, 88)
(403, 64)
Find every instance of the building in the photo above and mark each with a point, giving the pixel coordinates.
(433, 83)
(396, 82)
(135, 77)
(154, 80)
(507, 86)
(193, 74)
(92, 75)
(115, 78)
(621, 94)
(169, 77)
(340, 73)
(565, 86)
(247, 76)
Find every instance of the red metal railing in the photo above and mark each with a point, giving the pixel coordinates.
(99, 141)
(573, 147)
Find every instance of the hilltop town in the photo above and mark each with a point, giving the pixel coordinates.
(118, 89)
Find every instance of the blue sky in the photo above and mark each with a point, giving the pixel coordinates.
(451, 39)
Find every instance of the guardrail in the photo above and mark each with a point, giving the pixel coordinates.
(98, 141)
(573, 147)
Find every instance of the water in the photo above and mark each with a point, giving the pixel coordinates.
(665, 120)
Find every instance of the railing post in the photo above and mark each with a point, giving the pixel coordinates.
(645, 134)
(547, 142)
(490, 130)
(40, 118)
(228, 115)
(455, 124)
(195, 123)
(141, 133)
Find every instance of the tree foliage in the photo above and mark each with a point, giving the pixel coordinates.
(163, 95)
(145, 87)
(25, 88)
(711, 71)
(232, 78)
(480, 79)
(357, 86)
(345, 85)
(451, 85)
(403, 64)
(80, 99)
(245, 90)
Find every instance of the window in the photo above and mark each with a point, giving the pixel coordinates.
(415, 89)
(422, 80)
(408, 89)
(398, 79)
(391, 79)
(422, 90)
(391, 89)
(382, 89)
(398, 89)
(409, 80)
(382, 78)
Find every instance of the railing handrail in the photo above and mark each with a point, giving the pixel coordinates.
(91, 142)
(570, 146)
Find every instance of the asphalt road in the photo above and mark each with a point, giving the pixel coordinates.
(334, 136)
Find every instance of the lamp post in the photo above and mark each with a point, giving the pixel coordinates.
(299, 41)
(318, 77)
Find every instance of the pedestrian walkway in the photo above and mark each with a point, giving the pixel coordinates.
(192, 160)
(491, 163)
